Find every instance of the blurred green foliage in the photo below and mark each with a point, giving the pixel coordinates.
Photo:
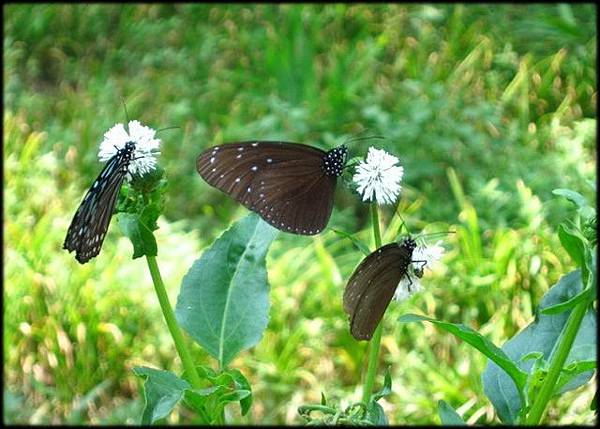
(489, 107)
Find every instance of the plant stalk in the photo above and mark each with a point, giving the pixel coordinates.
(376, 340)
(556, 364)
(163, 299)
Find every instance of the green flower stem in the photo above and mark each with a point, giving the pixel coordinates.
(556, 364)
(376, 340)
(165, 306)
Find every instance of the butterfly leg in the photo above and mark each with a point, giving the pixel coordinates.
(419, 271)
(410, 282)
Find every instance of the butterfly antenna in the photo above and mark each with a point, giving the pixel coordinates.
(436, 233)
(168, 128)
(126, 115)
(359, 139)
(358, 134)
(403, 224)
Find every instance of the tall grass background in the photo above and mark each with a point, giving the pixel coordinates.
(489, 108)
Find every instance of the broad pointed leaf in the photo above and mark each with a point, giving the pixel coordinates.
(223, 302)
(541, 336)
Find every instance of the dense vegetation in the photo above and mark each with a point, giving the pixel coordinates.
(489, 107)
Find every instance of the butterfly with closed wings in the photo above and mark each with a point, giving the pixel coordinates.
(373, 283)
(128, 153)
(290, 185)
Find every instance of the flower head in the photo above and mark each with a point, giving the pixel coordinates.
(379, 177)
(144, 157)
(423, 256)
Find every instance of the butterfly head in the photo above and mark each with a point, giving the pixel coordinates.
(409, 244)
(129, 147)
(335, 160)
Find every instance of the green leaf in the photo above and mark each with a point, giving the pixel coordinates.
(224, 298)
(387, 386)
(573, 242)
(589, 270)
(448, 415)
(228, 386)
(140, 235)
(532, 355)
(478, 341)
(586, 294)
(358, 244)
(162, 391)
(575, 197)
(242, 384)
(376, 415)
(541, 336)
(571, 372)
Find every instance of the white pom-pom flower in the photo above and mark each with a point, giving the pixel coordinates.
(146, 146)
(378, 178)
(423, 257)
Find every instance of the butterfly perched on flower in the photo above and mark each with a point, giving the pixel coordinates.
(128, 153)
(381, 276)
(290, 185)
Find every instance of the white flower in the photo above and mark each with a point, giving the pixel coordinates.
(378, 177)
(144, 156)
(423, 256)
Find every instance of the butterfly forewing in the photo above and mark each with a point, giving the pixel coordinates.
(372, 286)
(90, 223)
(283, 182)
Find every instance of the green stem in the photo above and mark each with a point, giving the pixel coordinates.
(556, 364)
(376, 340)
(184, 354)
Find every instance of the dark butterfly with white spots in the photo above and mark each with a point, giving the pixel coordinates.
(90, 223)
(290, 185)
(373, 283)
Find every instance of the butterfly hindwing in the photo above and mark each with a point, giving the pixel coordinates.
(283, 182)
(372, 286)
(90, 223)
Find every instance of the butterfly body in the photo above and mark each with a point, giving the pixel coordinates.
(90, 223)
(290, 185)
(373, 283)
